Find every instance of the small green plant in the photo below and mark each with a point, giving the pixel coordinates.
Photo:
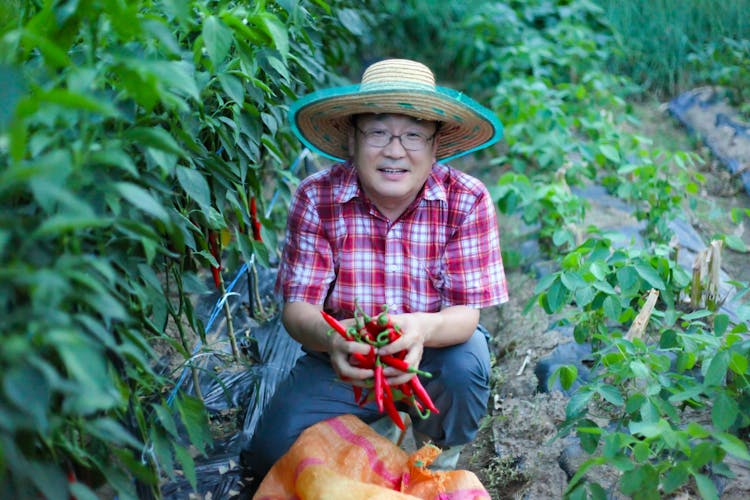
(649, 394)
(637, 412)
(552, 206)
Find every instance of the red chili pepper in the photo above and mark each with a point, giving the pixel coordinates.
(421, 393)
(357, 393)
(362, 360)
(390, 408)
(400, 364)
(214, 248)
(254, 220)
(334, 323)
(379, 383)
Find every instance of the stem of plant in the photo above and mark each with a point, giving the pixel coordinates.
(230, 326)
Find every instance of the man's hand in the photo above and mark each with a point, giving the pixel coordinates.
(451, 326)
(340, 350)
(413, 329)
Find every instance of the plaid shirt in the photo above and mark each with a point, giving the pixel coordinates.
(444, 250)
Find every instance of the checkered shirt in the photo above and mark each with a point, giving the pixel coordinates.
(444, 250)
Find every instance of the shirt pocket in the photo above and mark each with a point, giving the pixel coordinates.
(427, 284)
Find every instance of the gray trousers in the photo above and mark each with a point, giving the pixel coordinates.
(311, 393)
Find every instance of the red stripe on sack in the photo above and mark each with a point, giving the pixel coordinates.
(376, 464)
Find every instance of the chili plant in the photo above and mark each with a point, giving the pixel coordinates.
(131, 130)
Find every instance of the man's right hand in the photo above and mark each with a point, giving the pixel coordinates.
(340, 351)
(305, 324)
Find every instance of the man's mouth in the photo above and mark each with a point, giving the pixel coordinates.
(392, 170)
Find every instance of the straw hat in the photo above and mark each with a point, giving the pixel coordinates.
(321, 120)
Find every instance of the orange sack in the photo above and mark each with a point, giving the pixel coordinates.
(343, 458)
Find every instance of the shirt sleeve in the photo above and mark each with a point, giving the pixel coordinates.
(474, 274)
(306, 266)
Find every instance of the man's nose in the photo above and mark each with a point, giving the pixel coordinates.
(395, 147)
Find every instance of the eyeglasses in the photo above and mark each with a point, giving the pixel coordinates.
(411, 141)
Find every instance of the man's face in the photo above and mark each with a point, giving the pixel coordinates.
(392, 175)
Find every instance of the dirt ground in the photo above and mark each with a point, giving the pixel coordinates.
(516, 454)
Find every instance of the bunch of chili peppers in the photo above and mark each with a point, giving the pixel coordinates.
(378, 331)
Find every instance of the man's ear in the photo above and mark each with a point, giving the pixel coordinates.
(351, 136)
(435, 144)
(351, 141)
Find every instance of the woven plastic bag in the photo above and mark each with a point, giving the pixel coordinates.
(343, 458)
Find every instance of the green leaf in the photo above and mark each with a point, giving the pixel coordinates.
(11, 88)
(639, 369)
(674, 478)
(649, 429)
(351, 20)
(604, 287)
(80, 491)
(599, 269)
(142, 199)
(165, 417)
(627, 278)
(195, 185)
(589, 435)
(115, 157)
(276, 30)
(650, 275)
(735, 243)
(49, 478)
(53, 55)
(217, 38)
(706, 487)
(572, 280)
(65, 223)
(717, 369)
(111, 431)
(578, 403)
(701, 313)
(193, 415)
(733, 445)
(82, 102)
(721, 322)
(611, 394)
(557, 296)
(642, 480)
(544, 283)
(612, 307)
(157, 138)
(233, 87)
(584, 296)
(738, 363)
(724, 412)
(691, 392)
(611, 153)
(187, 463)
(85, 365)
(28, 389)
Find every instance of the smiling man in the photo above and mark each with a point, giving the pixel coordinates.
(388, 224)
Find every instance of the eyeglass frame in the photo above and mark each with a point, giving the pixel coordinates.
(392, 136)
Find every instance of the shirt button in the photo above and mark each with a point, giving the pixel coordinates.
(393, 268)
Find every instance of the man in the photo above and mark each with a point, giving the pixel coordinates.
(388, 225)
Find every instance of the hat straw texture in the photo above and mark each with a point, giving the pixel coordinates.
(321, 120)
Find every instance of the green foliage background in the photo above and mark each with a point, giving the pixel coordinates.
(132, 131)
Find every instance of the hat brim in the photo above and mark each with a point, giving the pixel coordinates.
(321, 120)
